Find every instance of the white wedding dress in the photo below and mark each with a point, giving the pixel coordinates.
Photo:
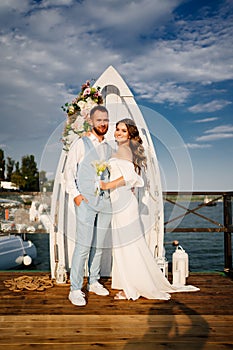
(134, 268)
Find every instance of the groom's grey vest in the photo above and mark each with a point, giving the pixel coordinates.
(86, 172)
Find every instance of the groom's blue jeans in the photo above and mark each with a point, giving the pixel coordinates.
(91, 237)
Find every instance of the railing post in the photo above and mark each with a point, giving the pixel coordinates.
(227, 212)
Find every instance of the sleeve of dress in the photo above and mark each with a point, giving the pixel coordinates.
(129, 174)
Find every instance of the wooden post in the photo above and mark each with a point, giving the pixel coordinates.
(227, 212)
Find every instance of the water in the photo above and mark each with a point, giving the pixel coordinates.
(205, 249)
(41, 241)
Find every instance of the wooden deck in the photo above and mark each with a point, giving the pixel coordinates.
(47, 320)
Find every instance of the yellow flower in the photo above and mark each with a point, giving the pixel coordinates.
(71, 110)
(100, 166)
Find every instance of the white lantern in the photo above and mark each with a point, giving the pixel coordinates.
(61, 275)
(180, 266)
(163, 265)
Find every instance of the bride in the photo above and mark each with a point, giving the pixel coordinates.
(135, 272)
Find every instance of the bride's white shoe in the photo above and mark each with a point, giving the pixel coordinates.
(120, 296)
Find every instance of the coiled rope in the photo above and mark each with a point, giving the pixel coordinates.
(21, 283)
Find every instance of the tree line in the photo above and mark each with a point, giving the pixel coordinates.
(25, 175)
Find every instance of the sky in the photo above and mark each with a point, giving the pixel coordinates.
(176, 57)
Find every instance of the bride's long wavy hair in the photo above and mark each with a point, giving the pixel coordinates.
(138, 151)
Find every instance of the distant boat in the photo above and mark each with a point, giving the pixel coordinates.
(9, 203)
(208, 202)
(15, 251)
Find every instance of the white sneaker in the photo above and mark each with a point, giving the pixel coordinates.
(77, 297)
(97, 288)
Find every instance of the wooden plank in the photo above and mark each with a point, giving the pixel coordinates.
(109, 333)
(106, 334)
(47, 320)
(123, 346)
(94, 319)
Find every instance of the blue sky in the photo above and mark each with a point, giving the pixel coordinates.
(175, 55)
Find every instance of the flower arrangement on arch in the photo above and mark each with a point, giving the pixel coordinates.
(78, 113)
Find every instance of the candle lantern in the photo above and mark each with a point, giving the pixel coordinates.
(163, 265)
(180, 266)
(61, 275)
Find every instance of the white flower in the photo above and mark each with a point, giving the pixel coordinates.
(90, 103)
(82, 104)
(85, 113)
(78, 124)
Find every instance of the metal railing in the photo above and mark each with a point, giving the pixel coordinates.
(226, 226)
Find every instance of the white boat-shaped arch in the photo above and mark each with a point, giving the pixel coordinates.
(120, 103)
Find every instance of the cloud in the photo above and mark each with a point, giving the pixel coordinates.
(197, 145)
(215, 137)
(126, 39)
(12, 5)
(218, 133)
(212, 106)
(49, 3)
(162, 93)
(220, 129)
(48, 48)
(206, 120)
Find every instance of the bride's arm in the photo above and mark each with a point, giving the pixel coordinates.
(112, 184)
(123, 152)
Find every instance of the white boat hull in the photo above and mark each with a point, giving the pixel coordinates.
(13, 249)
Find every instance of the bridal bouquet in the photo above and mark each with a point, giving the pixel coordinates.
(100, 167)
(78, 113)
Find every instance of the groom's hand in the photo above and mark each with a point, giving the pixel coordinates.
(78, 200)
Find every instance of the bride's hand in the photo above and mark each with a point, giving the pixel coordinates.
(103, 185)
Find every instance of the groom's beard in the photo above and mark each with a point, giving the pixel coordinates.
(100, 131)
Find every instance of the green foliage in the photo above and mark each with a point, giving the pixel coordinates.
(30, 173)
(24, 176)
(9, 168)
(18, 180)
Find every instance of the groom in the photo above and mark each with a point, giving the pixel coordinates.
(93, 210)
